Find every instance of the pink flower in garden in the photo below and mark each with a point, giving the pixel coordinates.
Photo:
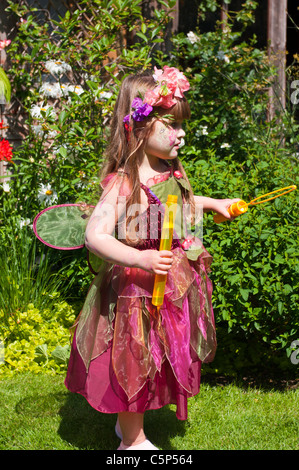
(174, 79)
(4, 43)
(160, 96)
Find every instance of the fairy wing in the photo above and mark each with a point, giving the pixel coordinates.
(63, 226)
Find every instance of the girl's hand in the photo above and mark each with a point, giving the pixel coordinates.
(157, 262)
(221, 205)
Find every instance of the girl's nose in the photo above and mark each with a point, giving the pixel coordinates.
(181, 133)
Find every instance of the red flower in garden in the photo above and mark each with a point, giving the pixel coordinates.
(5, 150)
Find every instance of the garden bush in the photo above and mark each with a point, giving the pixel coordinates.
(232, 150)
(34, 315)
(37, 340)
(255, 262)
(64, 77)
(67, 79)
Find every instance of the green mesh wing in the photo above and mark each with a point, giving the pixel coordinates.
(62, 226)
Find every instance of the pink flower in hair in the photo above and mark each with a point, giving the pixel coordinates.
(160, 96)
(171, 86)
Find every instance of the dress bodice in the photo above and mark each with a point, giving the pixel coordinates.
(153, 223)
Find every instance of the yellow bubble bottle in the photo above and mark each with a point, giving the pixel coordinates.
(165, 244)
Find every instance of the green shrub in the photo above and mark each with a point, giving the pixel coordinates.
(65, 75)
(233, 151)
(255, 268)
(26, 274)
(39, 341)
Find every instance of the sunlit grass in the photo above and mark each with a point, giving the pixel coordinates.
(37, 412)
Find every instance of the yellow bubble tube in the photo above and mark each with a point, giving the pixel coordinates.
(165, 244)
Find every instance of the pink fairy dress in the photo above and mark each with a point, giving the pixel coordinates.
(125, 356)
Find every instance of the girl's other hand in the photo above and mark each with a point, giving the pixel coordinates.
(157, 262)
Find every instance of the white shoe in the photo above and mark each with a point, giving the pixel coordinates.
(145, 445)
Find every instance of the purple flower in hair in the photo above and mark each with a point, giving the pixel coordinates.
(142, 110)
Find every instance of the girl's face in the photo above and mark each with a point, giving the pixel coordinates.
(164, 139)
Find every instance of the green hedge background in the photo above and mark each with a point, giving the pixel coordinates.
(231, 150)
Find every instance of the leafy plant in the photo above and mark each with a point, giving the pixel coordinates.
(26, 276)
(233, 150)
(66, 75)
(39, 342)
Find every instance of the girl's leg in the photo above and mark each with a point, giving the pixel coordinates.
(131, 425)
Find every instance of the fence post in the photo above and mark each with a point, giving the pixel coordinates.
(277, 38)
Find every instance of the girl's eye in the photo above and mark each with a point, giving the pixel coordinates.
(175, 125)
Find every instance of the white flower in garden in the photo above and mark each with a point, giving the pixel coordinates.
(51, 90)
(46, 194)
(222, 56)
(106, 95)
(24, 222)
(225, 146)
(76, 89)
(192, 37)
(64, 89)
(52, 134)
(6, 187)
(80, 185)
(36, 111)
(39, 131)
(203, 130)
(57, 67)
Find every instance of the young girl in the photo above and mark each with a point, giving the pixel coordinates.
(127, 357)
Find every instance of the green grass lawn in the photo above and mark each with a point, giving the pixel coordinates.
(38, 413)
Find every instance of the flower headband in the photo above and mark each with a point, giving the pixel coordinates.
(171, 85)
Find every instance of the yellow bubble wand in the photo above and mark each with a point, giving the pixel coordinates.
(165, 244)
(240, 207)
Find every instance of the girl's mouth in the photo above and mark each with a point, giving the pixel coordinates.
(180, 144)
